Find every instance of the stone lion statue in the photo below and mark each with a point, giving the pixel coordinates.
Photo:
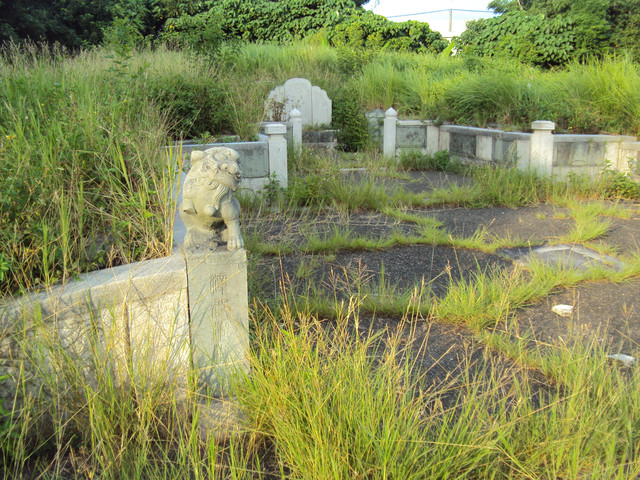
(209, 208)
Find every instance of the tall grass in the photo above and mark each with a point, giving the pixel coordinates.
(84, 180)
(336, 400)
(83, 184)
(599, 96)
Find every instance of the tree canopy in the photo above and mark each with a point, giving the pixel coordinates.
(553, 32)
(76, 23)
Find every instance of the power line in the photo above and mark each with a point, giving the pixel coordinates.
(440, 11)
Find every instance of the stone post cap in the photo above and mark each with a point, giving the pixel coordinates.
(295, 113)
(543, 125)
(275, 129)
(391, 113)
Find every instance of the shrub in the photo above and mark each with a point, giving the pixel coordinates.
(439, 161)
(619, 185)
(196, 104)
(201, 32)
(374, 32)
(529, 38)
(349, 119)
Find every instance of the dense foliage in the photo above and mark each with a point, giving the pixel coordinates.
(554, 32)
(529, 38)
(73, 23)
(376, 32)
(204, 23)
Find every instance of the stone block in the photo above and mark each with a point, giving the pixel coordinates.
(433, 137)
(484, 147)
(444, 140)
(412, 135)
(218, 306)
(133, 317)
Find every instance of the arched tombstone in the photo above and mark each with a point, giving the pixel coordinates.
(297, 93)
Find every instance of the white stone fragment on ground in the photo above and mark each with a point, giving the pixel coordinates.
(563, 310)
(626, 360)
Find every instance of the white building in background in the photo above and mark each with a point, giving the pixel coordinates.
(449, 17)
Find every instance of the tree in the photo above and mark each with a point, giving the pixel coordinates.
(596, 27)
(203, 23)
(530, 38)
(505, 6)
(624, 16)
(367, 30)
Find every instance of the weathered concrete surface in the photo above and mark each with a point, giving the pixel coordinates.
(219, 313)
(132, 320)
(564, 255)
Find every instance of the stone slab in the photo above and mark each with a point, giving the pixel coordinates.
(314, 104)
(218, 305)
(320, 107)
(578, 154)
(505, 152)
(375, 123)
(462, 145)
(133, 317)
(564, 255)
(411, 136)
(319, 136)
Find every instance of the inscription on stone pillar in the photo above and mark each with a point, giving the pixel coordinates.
(219, 316)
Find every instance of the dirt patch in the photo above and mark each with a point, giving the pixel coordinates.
(536, 224)
(624, 235)
(604, 313)
(296, 230)
(404, 267)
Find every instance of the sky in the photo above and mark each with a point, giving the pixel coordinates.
(437, 20)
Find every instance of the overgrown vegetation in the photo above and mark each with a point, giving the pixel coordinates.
(330, 399)
(203, 24)
(551, 33)
(84, 181)
(84, 184)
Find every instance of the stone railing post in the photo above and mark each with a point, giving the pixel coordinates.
(541, 153)
(433, 137)
(389, 138)
(484, 147)
(295, 117)
(277, 152)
